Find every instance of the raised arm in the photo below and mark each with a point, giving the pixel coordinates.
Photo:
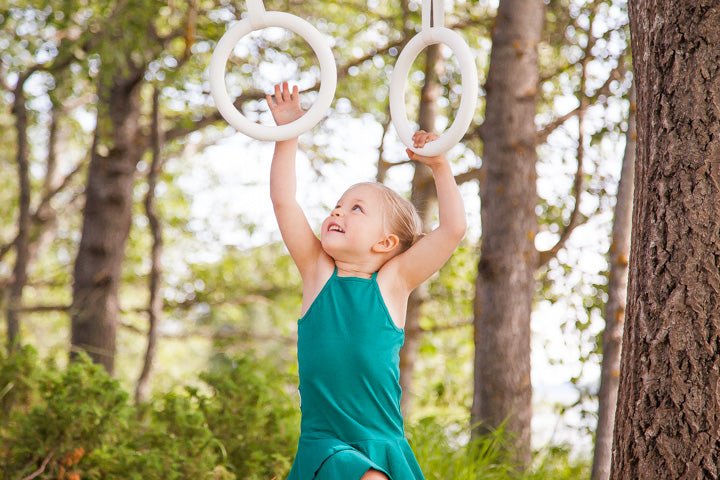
(303, 245)
(431, 252)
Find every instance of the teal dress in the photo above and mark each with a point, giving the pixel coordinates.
(348, 354)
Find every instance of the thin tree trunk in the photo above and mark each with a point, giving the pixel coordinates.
(106, 220)
(668, 412)
(44, 218)
(142, 390)
(22, 240)
(615, 307)
(46, 215)
(423, 197)
(505, 282)
(53, 178)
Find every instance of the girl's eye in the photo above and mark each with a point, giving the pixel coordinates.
(357, 208)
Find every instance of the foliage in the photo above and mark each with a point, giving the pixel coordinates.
(81, 425)
(174, 443)
(18, 381)
(252, 414)
(443, 370)
(444, 451)
(78, 410)
(243, 424)
(558, 463)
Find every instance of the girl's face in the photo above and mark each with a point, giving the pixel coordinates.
(355, 224)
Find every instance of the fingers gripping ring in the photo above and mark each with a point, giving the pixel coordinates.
(398, 82)
(260, 19)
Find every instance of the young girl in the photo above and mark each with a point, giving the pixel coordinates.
(356, 281)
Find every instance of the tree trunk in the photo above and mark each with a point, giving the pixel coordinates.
(423, 197)
(668, 413)
(142, 390)
(505, 282)
(106, 220)
(22, 240)
(615, 307)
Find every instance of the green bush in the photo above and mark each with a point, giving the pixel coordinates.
(78, 423)
(174, 443)
(78, 410)
(252, 413)
(18, 381)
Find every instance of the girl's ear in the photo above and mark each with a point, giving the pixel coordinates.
(387, 244)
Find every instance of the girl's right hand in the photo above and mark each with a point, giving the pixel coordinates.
(285, 106)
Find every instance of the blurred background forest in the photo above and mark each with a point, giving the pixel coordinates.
(136, 227)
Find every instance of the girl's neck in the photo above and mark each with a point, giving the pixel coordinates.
(345, 269)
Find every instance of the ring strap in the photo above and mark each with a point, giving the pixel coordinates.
(433, 14)
(256, 13)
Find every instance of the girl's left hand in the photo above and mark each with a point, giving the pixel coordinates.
(420, 138)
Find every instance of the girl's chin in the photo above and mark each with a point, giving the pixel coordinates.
(328, 249)
(333, 251)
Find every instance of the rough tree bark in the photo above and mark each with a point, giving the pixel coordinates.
(668, 415)
(508, 258)
(615, 306)
(107, 218)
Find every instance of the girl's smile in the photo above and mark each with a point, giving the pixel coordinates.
(355, 224)
(334, 227)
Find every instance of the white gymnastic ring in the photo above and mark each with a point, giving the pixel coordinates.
(398, 82)
(328, 77)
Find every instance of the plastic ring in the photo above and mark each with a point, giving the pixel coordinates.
(398, 82)
(328, 77)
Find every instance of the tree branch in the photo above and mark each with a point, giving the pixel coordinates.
(614, 74)
(382, 165)
(37, 217)
(545, 132)
(545, 256)
(45, 201)
(442, 328)
(468, 176)
(43, 465)
(224, 334)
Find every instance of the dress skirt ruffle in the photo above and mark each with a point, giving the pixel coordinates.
(332, 459)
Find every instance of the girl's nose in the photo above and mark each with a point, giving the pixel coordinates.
(336, 212)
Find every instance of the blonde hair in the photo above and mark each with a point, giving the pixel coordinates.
(401, 217)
